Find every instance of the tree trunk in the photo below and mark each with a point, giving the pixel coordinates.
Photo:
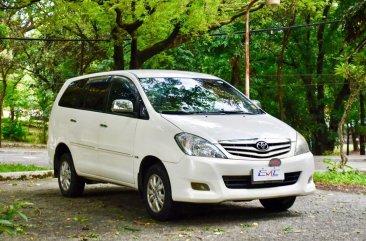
(362, 124)
(82, 51)
(347, 138)
(280, 60)
(323, 133)
(134, 63)
(323, 138)
(12, 113)
(338, 106)
(235, 71)
(118, 51)
(2, 96)
(119, 63)
(341, 123)
(320, 67)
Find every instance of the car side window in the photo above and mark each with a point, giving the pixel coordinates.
(123, 89)
(73, 96)
(96, 93)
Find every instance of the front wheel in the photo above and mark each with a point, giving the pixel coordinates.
(157, 193)
(70, 184)
(278, 204)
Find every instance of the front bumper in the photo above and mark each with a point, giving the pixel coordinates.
(210, 171)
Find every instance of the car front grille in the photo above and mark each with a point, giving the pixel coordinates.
(248, 148)
(245, 182)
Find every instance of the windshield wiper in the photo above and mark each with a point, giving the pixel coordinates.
(222, 112)
(175, 112)
(225, 112)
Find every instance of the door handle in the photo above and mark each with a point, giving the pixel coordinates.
(73, 120)
(103, 125)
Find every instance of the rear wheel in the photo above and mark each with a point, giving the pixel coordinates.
(70, 184)
(278, 204)
(157, 193)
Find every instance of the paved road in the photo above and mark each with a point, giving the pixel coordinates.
(107, 212)
(39, 157)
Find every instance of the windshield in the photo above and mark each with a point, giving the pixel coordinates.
(194, 96)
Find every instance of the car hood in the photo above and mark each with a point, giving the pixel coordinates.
(217, 128)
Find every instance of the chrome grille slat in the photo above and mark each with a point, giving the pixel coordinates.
(254, 150)
(263, 155)
(243, 148)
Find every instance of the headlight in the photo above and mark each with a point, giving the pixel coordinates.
(196, 146)
(301, 145)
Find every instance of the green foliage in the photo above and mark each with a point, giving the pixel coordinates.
(20, 168)
(80, 219)
(344, 177)
(286, 229)
(8, 217)
(355, 70)
(13, 130)
(336, 167)
(4, 30)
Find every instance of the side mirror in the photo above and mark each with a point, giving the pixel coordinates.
(257, 103)
(122, 106)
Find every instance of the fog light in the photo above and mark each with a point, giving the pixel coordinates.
(310, 179)
(200, 186)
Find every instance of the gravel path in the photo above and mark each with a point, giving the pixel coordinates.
(108, 212)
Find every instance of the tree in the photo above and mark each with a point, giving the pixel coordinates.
(147, 27)
(6, 68)
(312, 95)
(352, 66)
(10, 52)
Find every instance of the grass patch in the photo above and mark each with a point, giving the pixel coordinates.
(129, 229)
(344, 177)
(20, 168)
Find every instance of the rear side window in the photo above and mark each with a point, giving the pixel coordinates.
(96, 93)
(73, 96)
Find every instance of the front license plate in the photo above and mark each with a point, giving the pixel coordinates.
(267, 174)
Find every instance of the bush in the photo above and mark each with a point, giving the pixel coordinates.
(13, 130)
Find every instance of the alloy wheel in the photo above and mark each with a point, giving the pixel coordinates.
(155, 193)
(65, 176)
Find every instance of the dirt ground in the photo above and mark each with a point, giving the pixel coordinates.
(107, 212)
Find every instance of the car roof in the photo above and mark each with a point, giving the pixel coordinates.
(169, 73)
(152, 73)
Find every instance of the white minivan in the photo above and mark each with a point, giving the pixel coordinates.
(176, 137)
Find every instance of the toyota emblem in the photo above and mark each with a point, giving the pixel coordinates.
(262, 145)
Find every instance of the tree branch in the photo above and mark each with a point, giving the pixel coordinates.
(165, 44)
(233, 18)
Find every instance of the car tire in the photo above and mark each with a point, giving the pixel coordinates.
(70, 184)
(157, 193)
(278, 204)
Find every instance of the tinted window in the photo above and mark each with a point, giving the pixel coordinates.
(123, 88)
(73, 95)
(96, 93)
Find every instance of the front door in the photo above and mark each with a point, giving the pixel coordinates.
(117, 134)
